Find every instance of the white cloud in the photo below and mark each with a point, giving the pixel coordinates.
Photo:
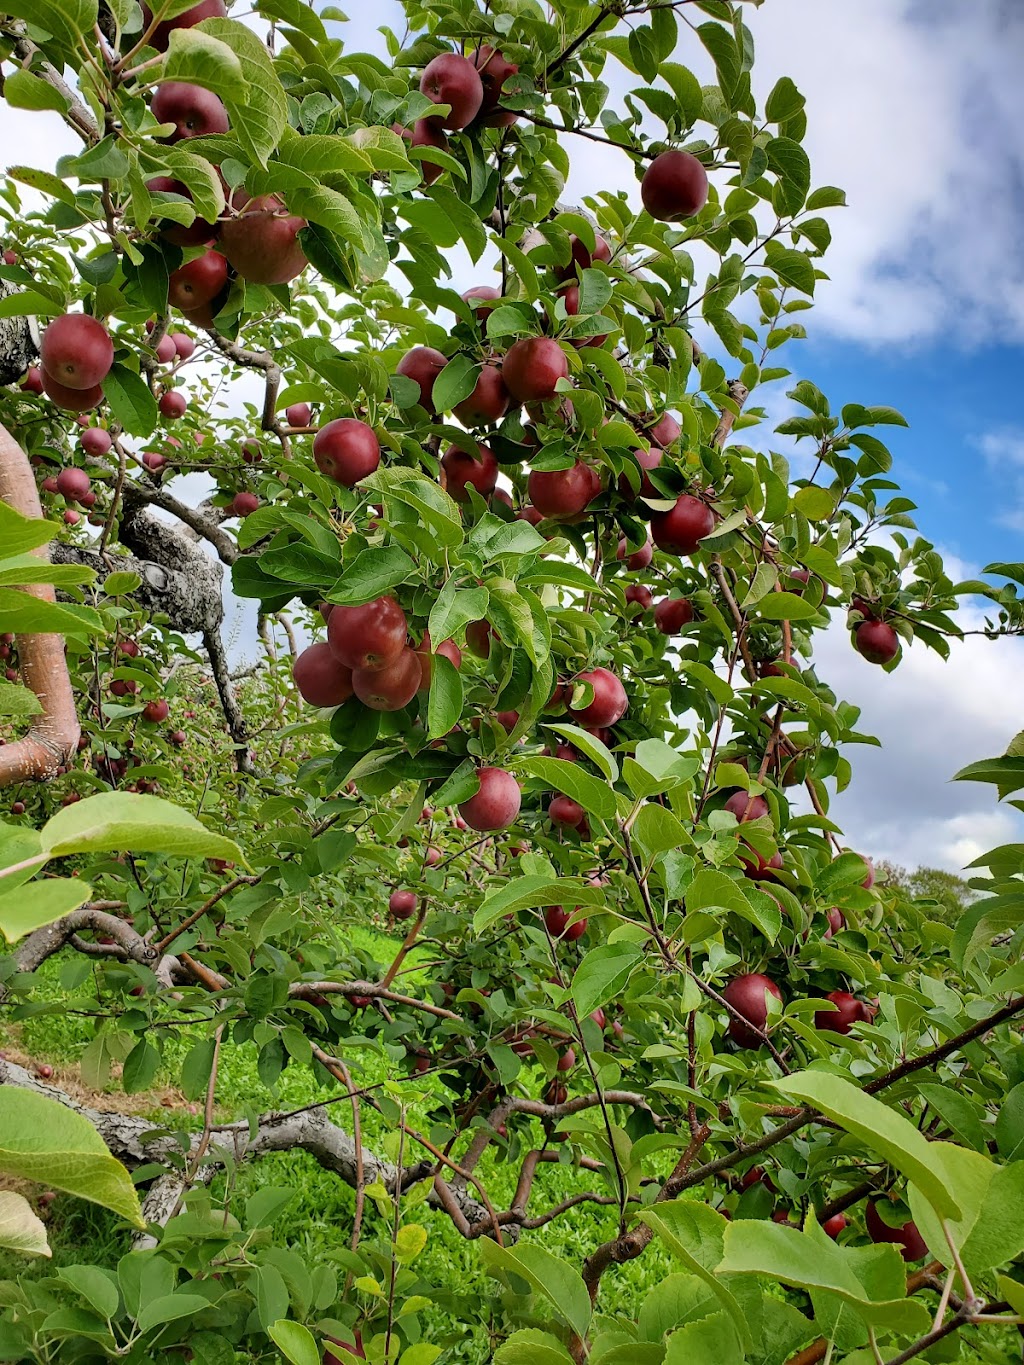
(1003, 449)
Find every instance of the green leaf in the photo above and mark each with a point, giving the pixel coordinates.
(784, 102)
(26, 615)
(198, 58)
(371, 573)
(816, 504)
(534, 893)
(602, 975)
(724, 53)
(67, 20)
(714, 891)
(140, 1067)
(1006, 772)
(444, 706)
(18, 701)
(711, 1341)
(49, 1143)
(116, 822)
(131, 400)
(880, 1128)
(330, 210)
(555, 1280)
(455, 382)
(694, 1233)
(171, 1308)
(991, 1231)
(454, 608)
(296, 1342)
(595, 796)
(23, 90)
(39, 903)
(257, 108)
(19, 534)
(785, 606)
(590, 747)
(21, 1230)
(438, 512)
(531, 1347)
(94, 1285)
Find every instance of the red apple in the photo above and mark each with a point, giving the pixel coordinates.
(73, 483)
(321, 680)
(455, 81)
(836, 921)
(496, 804)
(583, 257)
(346, 450)
(427, 132)
(390, 687)
(96, 441)
(664, 431)
(674, 187)
(755, 867)
(672, 613)
(298, 415)
(76, 351)
(198, 282)
(262, 242)
(833, 1226)
(532, 368)
(564, 811)
(639, 595)
(403, 904)
(748, 995)
(747, 807)
(610, 702)
(153, 461)
(243, 504)
(425, 653)
(558, 926)
(33, 381)
(156, 711)
(161, 35)
(635, 559)
(71, 517)
(166, 350)
(494, 72)
(483, 294)
(370, 636)
(680, 530)
(907, 1237)
(487, 403)
(876, 641)
(193, 111)
(563, 492)
(646, 459)
(422, 365)
(71, 400)
(172, 403)
(196, 233)
(848, 1011)
(462, 470)
(183, 345)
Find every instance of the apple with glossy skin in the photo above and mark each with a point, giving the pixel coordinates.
(494, 72)
(156, 711)
(427, 132)
(403, 904)
(610, 701)
(496, 805)
(680, 530)
(848, 1011)
(96, 441)
(672, 613)
(72, 400)
(582, 256)
(183, 345)
(664, 431)
(193, 111)
(833, 1226)
(73, 483)
(262, 242)
(172, 404)
(243, 504)
(487, 403)
(462, 470)
(482, 294)
(747, 807)
(558, 926)
(639, 595)
(198, 282)
(346, 450)
(563, 492)
(748, 996)
(165, 350)
(33, 381)
(391, 687)
(876, 641)
(422, 365)
(907, 1237)
(674, 187)
(298, 415)
(369, 636)
(563, 810)
(153, 461)
(76, 352)
(455, 81)
(320, 679)
(161, 35)
(635, 559)
(532, 368)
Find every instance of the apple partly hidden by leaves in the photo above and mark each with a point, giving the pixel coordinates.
(672, 613)
(463, 470)
(748, 996)
(422, 365)
(680, 530)
(262, 241)
(193, 110)
(455, 81)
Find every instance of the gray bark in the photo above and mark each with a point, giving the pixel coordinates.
(18, 341)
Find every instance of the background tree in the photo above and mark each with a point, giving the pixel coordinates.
(532, 912)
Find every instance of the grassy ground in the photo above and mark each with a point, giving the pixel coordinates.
(319, 1219)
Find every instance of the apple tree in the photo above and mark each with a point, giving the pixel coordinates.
(537, 603)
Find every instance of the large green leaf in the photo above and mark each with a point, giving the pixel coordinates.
(557, 1281)
(602, 974)
(26, 615)
(39, 903)
(116, 822)
(535, 893)
(20, 1229)
(990, 1233)
(694, 1233)
(595, 796)
(880, 1128)
(47, 1142)
(19, 534)
(67, 20)
(257, 109)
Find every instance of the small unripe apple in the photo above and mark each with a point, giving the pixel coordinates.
(455, 81)
(76, 351)
(96, 441)
(156, 711)
(172, 403)
(680, 530)
(532, 368)
(557, 921)
(674, 187)
(876, 641)
(422, 365)
(403, 904)
(346, 450)
(672, 613)
(748, 996)
(496, 804)
(369, 636)
(320, 678)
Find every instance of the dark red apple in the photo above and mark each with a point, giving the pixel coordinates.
(672, 613)
(747, 807)
(583, 257)
(876, 641)
(833, 1226)
(161, 35)
(674, 187)
(346, 450)
(680, 530)
(370, 636)
(639, 595)
(262, 242)
(532, 368)
(298, 415)
(610, 701)
(494, 72)
(403, 904)
(422, 365)
(198, 282)
(71, 400)
(496, 804)
(73, 483)
(478, 638)
(646, 459)
(462, 470)
(487, 403)
(156, 711)
(321, 680)
(558, 926)
(755, 867)
(455, 81)
(96, 441)
(635, 559)
(563, 492)
(564, 811)
(172, 403)
(748, 996)
(76, 351)
(193, 111)
(907, 1237)
(197, 232)
(848, 1011)
(391, 687)
(243, 504)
